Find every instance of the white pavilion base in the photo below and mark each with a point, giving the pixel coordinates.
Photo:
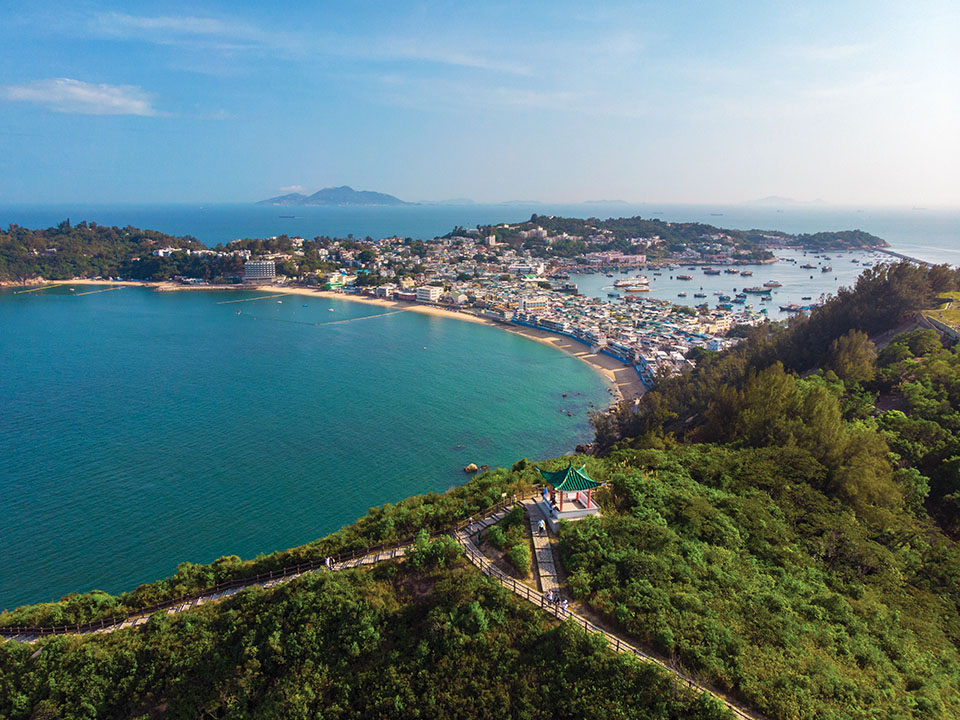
(571, 511)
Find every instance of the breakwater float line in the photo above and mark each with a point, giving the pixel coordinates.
(37, 289)
(94, 292)
(901, 256)
(262, 297)
(318, 324)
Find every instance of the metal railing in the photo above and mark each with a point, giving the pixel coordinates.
(373, 551)
(538, 598)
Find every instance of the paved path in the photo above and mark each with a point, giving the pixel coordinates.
(546, 568)
(465, 537)
(138, 619)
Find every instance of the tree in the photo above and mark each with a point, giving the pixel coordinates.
(852, 357)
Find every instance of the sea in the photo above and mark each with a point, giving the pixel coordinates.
(142, 429)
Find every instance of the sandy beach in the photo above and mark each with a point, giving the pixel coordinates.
(622, 380)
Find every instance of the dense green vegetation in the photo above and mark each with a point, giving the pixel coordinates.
(411, 640)
(775, 530)
(388, 523)
(742, 566)
(510, 536)
(918, 382)
(883, 297)
(616, 233)
(89, 250)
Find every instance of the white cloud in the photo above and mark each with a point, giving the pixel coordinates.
(830, 53)
(125, 25)
(82, 98)
(229, 36)
(293, 189)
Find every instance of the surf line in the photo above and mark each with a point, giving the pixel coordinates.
(262, 297)
(329, 322)
(36, 289)
(94, 292)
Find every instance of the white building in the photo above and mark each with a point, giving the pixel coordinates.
(429, 293)
(259, 270)
(533, 304)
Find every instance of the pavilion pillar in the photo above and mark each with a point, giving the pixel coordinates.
(590, 497)
(561, 500)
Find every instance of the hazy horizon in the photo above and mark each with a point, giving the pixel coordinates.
(641, 103)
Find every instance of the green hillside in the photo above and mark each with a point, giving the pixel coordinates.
(780, 523)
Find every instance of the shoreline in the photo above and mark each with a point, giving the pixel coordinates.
(621, 380)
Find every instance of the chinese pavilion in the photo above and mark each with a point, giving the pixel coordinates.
(569, 493)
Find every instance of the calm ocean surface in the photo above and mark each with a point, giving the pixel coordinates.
(141, 429)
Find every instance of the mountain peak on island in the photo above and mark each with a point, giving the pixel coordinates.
(342, 195)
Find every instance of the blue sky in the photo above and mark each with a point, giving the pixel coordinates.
(855, 103)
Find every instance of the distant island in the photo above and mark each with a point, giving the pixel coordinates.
(343, 195)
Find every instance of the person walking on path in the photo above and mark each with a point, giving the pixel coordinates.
(329, 563)
(541, 527)
(563, 605)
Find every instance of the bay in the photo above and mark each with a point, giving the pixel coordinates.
(142, 429)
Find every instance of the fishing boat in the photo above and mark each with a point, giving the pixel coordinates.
(826, 268)
(806, 297)
(710, 271)
(681, 294)
(746, 273)
(772, 284)
(699, 295)
(613, 295)
(732, 271)
(808, 266)
(791, 308)
(725, 306)
(684, 277)
(757, 290)
(724, 298)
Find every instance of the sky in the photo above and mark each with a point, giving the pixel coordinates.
(855, 103)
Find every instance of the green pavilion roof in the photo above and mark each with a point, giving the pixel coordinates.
(569, 480)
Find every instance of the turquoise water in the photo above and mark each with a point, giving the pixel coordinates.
(141, 429)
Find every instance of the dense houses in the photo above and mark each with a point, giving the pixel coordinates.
(472, 272)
